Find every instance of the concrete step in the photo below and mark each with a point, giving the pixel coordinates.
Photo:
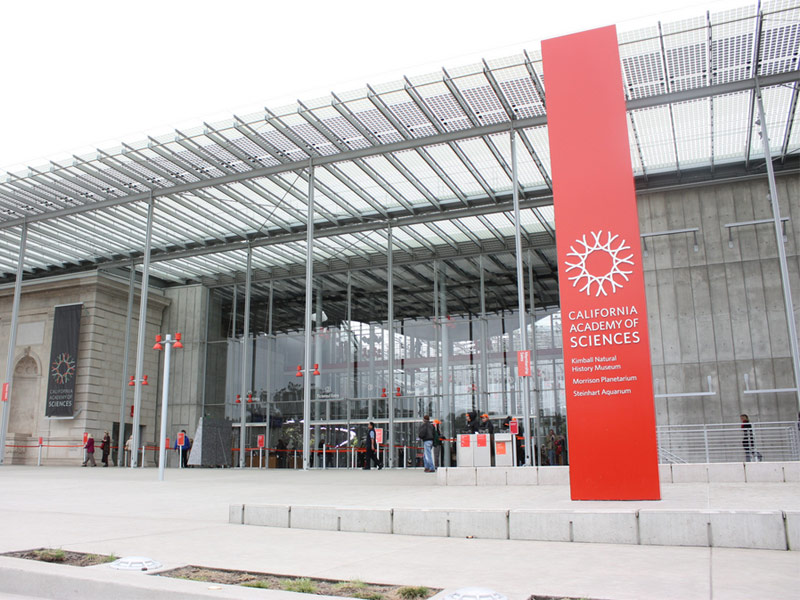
(752, 472)
(753, 529)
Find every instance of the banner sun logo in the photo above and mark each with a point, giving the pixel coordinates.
(599, 264)
(63, 368)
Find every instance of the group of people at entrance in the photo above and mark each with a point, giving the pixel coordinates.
(88, 450)
(105, 448)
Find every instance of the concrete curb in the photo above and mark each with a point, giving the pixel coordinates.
(763, 472)
(752, 529)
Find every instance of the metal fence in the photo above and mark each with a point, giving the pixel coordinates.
(729, 442)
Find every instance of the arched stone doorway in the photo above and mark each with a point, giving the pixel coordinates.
(23, 416)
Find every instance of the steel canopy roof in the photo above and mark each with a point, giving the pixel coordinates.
(428, 155)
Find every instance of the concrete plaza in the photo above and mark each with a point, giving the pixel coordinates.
(184, 520)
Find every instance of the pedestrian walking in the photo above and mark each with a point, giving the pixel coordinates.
(372, 449)
(89, 449)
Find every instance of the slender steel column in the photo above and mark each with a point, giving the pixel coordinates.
(447, 384)
(438, 379)
(373, 394)
(271, 305)
(523, 382)
(234, 305)
(390, 318)
(162, 438)
(125, 383)
(776, 215)
(351, 356)
(270, 366)
(316, 408)
(484, 341)
(140, 342)
(534, 371)
(309, 306)
(245, 384)
(12, 341)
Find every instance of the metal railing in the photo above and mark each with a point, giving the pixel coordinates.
(728, 442)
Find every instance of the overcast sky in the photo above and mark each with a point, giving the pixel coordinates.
(87, 74)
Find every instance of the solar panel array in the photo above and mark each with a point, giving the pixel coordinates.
(430, 154)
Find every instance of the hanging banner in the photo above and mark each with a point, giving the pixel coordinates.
(607, 368)
(63, 361)
(524, 363)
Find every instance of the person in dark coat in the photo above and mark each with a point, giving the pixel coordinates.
(486, 425)
(105, 446)
(747, 438)
(372, 449)
(472, 422)
(427, 433)
(184, 448)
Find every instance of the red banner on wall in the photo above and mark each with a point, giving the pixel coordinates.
(610, 411)
(524, 363)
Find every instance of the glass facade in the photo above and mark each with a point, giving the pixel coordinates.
(440, 363)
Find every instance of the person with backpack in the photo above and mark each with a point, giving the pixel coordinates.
(372, 449)
(427, 433)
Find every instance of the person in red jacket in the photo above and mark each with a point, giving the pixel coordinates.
(89, 448)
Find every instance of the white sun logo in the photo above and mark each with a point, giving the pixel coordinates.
(607, 257)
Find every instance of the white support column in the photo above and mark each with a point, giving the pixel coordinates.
(484, 391)
(270, 367)
(245, 384)
(523, 382)
(447, 384)
(534, 378)
(12, 342)
(140, 342)
(162, 438)
(309, 304)
(390, 319)
(125, 383)
(776, 215)
(316, 407)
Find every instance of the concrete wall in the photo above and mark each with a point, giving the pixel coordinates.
(719, 310)
(99, 385)
(217, 356)
(186, 314)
